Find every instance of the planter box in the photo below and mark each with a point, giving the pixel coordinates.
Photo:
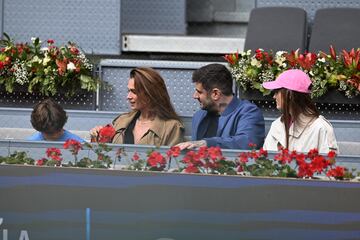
(46, 203)
(337, 97)
(22, 98)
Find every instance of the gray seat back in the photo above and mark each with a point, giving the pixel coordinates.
(276, 28)
(335, 26)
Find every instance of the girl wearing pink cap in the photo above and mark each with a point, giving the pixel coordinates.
(300, 127)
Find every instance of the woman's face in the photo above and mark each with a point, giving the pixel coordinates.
(278, 98)
(132, 96)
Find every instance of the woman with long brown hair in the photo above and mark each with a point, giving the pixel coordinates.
(300, 126)
(152, 119)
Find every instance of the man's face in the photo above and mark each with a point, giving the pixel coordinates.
(204, 98)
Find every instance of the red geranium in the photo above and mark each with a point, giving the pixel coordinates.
(135, 157)
(73, 145)
(41, 162)
(54, 154)
(156, 161)
(173, 152)
(337, 172)
(106, 134)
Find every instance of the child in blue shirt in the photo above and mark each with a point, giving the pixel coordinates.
(49, 118)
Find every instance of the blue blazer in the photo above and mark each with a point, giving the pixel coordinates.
(241, 123)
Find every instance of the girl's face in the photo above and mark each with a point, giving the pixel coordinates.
(279, 99)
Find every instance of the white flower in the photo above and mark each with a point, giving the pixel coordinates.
(279, 58)
(33, 39)
(20, 72)
(46, 60)
(321, 60)
(70, 66)
(255, 62)
(36, 59)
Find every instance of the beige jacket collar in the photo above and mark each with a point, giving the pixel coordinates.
(156, 127)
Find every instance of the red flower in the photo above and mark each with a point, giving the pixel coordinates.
(203, 152)
(54, 154)
(74, 50)
(232, 58)
(106, 134)
(263, 153)
(191, 169)
(41, 162)
(156, 160)
(305, 170)
(73, 145)
(252, 145)
(283, 157)
(352, 58)
(61, 66)
(192, 158)
(135, 157)
(173, 152)
(318, 164)
(300, 158)
(332, 52)
(215, 153)
(243, 157)
(337, 172)
(307, 61)
(313, 153)
(331, 154)
(7, 60)
(50, 41)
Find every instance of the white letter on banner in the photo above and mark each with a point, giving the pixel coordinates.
(24, 235)
(5, 231)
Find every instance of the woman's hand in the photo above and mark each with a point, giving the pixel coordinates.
(94, 132)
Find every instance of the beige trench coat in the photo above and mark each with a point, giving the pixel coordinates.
(161, 133)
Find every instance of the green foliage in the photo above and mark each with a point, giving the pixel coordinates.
(17, 158)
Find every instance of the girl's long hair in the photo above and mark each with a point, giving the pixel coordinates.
(151, 91)
(295, 104)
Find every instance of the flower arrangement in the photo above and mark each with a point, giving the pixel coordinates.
(327, 71)
(45, 69)
(205, 160)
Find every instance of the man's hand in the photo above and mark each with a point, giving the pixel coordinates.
(191, 144)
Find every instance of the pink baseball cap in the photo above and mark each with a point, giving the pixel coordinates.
(293, 79)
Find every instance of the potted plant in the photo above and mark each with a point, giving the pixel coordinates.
(328, 71)
(47, 70)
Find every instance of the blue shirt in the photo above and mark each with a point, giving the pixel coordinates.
(241, 123)
(66, 136)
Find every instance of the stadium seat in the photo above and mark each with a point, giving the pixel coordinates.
(335, 26)
(277, 28)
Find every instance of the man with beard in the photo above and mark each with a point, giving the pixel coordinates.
(224, 120)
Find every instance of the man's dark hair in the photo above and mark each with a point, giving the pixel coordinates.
(214, 76)
(48, 117)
